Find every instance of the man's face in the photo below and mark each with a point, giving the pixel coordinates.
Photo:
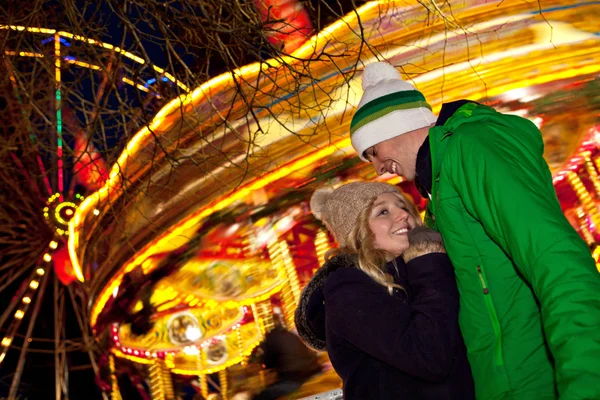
(397, 155)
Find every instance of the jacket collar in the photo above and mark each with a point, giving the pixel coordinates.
(439, 140)
(424, 180)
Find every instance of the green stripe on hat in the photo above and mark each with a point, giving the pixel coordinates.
(384, 105)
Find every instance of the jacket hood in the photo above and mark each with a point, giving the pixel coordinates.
(310, 314)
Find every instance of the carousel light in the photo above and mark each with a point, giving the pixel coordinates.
(34, 284)
(232, 229)
(19, 314)
(96, 211)
(26, 300)
(191, 350)
(192, 333)
(53, 245)
(40, 271)
(6, 341)
(47, 257)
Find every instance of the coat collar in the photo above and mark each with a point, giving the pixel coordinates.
(439, 139)
(314, 288)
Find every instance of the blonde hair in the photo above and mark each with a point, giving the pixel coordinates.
(361, 241)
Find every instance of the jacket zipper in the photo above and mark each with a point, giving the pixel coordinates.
(493, 318)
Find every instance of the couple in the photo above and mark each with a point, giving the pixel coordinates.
(518, 307)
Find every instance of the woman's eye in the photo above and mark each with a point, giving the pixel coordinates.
(382, 212)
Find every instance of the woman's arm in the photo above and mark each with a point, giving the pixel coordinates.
(419, 338)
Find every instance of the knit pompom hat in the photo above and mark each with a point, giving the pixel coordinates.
(389, 107)
(339, 208)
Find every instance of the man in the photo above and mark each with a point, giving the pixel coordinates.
(530, 292)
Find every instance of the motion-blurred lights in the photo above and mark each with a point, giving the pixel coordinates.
(191, 350)
(53, 245)
(284, 223)
(538, 121)
(40, 271)
(596, 135)
(265, 237)
(232, 229)
(96, 211)
(47, 257)
(192, 333)
(34, 284)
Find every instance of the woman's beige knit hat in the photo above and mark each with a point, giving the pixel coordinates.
(339, 208)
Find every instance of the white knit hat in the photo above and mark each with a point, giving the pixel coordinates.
(389, 107)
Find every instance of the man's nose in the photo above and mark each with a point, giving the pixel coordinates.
(379, 167)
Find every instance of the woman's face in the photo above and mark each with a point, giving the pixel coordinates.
(390, 222)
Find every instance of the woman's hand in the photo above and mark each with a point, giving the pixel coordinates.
(423, 241)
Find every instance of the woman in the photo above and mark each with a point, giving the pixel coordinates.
(385, 304)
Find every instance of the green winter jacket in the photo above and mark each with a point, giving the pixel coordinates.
(522, 271)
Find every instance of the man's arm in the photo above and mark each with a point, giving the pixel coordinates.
(506, 184)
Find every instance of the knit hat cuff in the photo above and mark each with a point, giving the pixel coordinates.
(389, 126)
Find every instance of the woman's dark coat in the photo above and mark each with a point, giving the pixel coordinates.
(402, 346)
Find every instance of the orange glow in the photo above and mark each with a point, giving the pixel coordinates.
(199, 93)
(248, 73)
(596, 256)
(140, 360)
(94, 42)
(84, 64)
(161, 243)
(137, 85)
(23, 54)
(229, 363)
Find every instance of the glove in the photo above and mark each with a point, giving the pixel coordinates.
(423, 241)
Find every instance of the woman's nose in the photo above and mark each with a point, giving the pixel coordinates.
(401, 215)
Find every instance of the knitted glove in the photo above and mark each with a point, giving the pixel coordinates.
(423, 241)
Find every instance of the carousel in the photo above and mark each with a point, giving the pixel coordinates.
(202, 230)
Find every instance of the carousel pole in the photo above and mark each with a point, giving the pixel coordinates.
(115, 393)
(290, 294)
(14, 386)
(321, 246)
(202, 381)
(584, 198)
(583, 226)
(263, 316)
(161, 383)
(85, 334)
(60, 365)
(223, 383)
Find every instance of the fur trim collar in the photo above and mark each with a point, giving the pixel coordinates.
(317, 283)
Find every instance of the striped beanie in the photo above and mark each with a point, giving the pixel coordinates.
(388, 108)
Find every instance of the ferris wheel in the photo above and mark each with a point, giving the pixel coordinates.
(67, 106)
